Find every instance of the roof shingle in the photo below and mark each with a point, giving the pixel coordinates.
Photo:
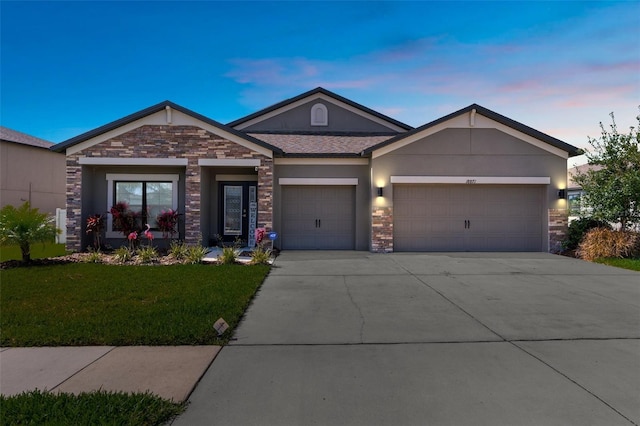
(320, 144)
(10, 135)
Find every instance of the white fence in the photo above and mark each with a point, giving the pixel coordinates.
(61, 224)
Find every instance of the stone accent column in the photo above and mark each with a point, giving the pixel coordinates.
(265, 193)
(558, 229)
(382, 229)
(74, 204)
(192, 231)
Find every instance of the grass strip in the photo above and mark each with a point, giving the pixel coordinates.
(94, 408)
(82, 304)
(38, 251)
(632, 264)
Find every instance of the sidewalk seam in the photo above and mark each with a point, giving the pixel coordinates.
(572, 381)
(83, 368)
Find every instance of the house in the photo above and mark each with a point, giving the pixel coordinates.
(574, 190)
(325, 172)
(30, 172)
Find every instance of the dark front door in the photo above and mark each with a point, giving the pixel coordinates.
(238, 211)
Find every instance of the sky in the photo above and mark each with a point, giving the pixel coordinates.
(560, 67)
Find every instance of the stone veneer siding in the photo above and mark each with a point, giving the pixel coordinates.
(382, 229)
(158, 141)
(558, 229)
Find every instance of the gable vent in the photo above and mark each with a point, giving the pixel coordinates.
(319, 115)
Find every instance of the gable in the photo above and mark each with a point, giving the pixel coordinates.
(305, 114)
(163, 114)
(477, 142)
(479, 120)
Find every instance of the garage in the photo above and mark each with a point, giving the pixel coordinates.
(318, 217)
(448, 217)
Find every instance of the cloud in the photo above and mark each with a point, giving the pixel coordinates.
(567, 76)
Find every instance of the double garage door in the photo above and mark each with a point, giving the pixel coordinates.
(468, 217)
(318, 217)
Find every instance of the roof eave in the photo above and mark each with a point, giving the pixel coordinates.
(321, 155)
(570, 149)
(311, 93)
(62, 146)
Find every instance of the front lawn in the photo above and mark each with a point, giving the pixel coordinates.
(38, 251)
(96, 408)
(632, 264)
(96, 304)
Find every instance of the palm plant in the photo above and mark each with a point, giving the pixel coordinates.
(25, 226)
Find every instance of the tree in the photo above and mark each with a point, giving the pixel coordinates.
(24, 226)
(612, 188)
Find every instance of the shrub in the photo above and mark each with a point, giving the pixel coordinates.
(260, 256)
(578, 228)
(125, 220)
(168, 222)
(95, 226)
(229, 256)
(95, 256)
(196, 253)
(178, 250)
(602, 243)
(24, 226)
(122, 254)
(147, 254)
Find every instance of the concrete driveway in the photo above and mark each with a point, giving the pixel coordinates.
(354, 338)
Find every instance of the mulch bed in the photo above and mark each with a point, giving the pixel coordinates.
(82, 258)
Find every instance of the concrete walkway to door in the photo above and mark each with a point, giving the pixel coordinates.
(354, 338)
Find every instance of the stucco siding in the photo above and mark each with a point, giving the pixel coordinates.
(31, 173)
(362, 190)
(472, 152)
(468, 153)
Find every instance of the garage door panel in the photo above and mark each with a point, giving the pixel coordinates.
(468, 217)
(318, 217)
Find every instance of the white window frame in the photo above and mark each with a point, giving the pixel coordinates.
(130, 177)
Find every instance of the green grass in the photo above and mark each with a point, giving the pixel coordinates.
(38, 251)
(632, 264)
(95, 408)
(95, 304)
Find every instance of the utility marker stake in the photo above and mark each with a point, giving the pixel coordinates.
(220, 326)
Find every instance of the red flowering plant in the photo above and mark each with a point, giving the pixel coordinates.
(168, 222)
(95, 226)
(125, 220)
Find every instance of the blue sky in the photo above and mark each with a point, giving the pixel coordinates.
(560, 67)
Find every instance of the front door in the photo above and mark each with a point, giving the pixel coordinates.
(238, 212)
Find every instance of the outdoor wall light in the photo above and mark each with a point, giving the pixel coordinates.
(379, 191)
(562, 194)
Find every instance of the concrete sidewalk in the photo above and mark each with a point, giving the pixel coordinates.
(170, 372)
(354, 338)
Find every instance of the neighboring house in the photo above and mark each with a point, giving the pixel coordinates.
(575, 191)
(29, 171)
(326, 173)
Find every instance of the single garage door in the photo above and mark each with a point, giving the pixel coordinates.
(468, 217)
(318, 217)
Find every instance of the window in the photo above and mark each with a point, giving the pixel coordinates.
(146, 195)
(574, 203)
(319, 115)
